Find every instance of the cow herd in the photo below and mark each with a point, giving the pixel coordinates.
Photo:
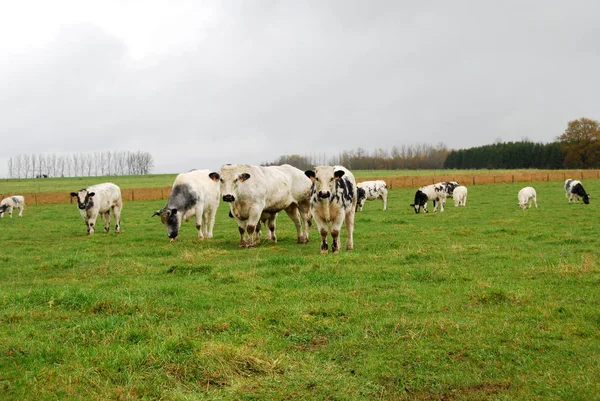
(256, 194)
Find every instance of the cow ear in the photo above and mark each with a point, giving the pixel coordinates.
(90, 194)
(157, 213)
(338, 174)
(214, 176)
(310, 174)
(73, 194)
(243, 177)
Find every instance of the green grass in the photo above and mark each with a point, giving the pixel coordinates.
(487, 302)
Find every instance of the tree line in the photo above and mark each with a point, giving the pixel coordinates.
(578, 147)
(80, 164)
(405, 157)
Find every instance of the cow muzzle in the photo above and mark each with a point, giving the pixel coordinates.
(228, 198)
(324, 195)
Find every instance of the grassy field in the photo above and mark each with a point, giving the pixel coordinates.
(487, 302)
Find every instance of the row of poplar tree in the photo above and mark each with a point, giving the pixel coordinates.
(80, 164)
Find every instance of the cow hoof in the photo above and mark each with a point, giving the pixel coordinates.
(173, 239)
(324, 251)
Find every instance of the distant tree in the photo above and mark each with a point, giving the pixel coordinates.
(581, 143)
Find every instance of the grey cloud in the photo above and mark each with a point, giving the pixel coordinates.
(310, 78)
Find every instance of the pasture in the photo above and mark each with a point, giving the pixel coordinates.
(487, 302)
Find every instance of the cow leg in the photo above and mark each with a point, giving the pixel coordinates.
(199, 222)
(106, 216)
(324, 246)
(271, 223)
(306, 218)
(242, 231)
(210, 222)
(335, 239)
(117, 212)
(21, 211)
(294, 214)
(384, 199)
(90, 227)
(349, 222)
(10, 211)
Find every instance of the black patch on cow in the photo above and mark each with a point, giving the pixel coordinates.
(15, 200)
(3, 208)
(360, 194)
(182, 198)
(578, 190)
(420, 200)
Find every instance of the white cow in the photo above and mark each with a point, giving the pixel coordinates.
(99, 199)
(526, 196)
(574, 189)
(435, 192)
(10, 203)
(195, 193)
(371, 190)
(256, 193)
(460, 196)
(333, 203)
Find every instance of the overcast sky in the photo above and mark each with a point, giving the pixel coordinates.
(201, 83)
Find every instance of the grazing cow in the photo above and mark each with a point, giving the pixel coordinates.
(333, 203)
(460, 196)
(573, 188)
(99, 199)
(371, 190)
(258, 193)
(526, 197)
(10, 203)
(195, 193)
(435, 193)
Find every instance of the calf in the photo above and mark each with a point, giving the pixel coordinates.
(448, 186)
(435, 193)
(258, 193)
(333, 203)
(195, 193)
(99, 199)
(526, 197)
(371, 190)
(10, 203)
(573, 188)
(460, 196)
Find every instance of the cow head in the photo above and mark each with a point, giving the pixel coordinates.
(84, 199)
(420, 201)
(324, 180)
(171, 218)
(231, 177)
(2, 210)
(586, 199)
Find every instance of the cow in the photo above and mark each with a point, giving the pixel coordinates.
(526, 196)
(333, 203)
(256, 193)
(435, 192)
(195, 193)
(371, 190)
(10, 203)
(99, 199)
(460, 196)
(574, 189)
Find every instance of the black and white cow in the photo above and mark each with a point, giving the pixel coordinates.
(10, 203)
(258, 193)
(195, 193)
(333, 203)
(435, 192)
(574, 189)
(371, 190)
(99, 199)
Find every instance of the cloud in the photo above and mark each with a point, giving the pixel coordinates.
(248, 83)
